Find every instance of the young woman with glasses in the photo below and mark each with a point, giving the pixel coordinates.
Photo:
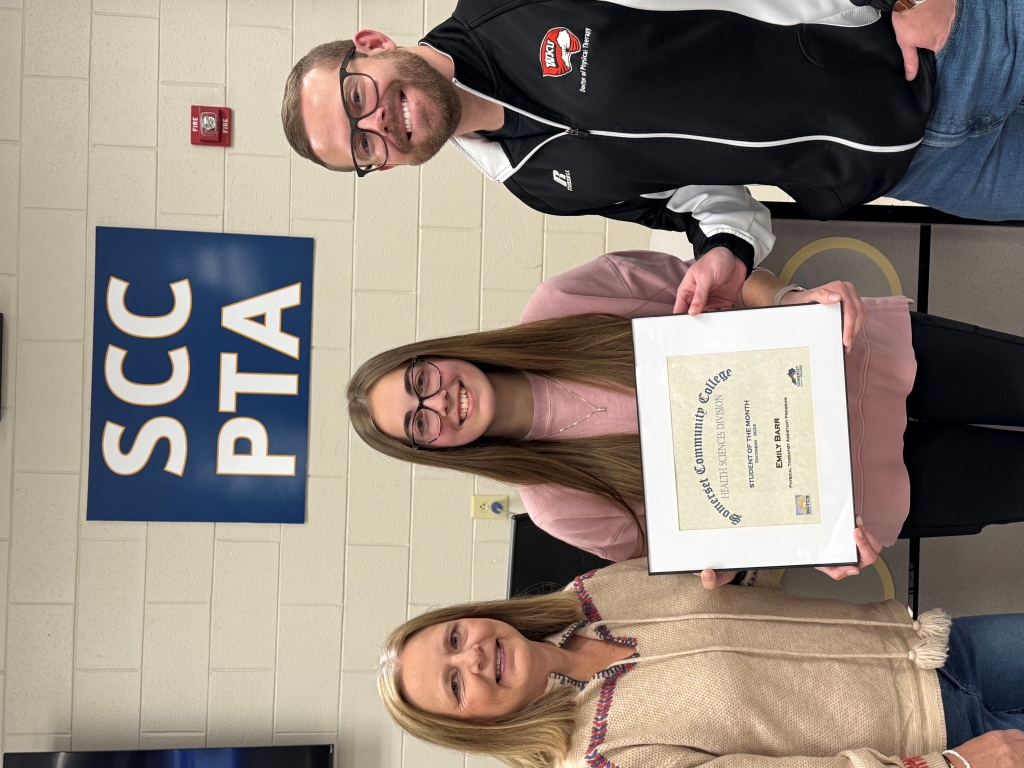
(549, 405)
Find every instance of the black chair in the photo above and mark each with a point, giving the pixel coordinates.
(539, 563)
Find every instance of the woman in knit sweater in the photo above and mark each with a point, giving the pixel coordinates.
(628, 670)
(549, 405)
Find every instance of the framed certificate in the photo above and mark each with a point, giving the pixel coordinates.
(744, 439)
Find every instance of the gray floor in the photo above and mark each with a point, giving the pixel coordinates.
(977, 276)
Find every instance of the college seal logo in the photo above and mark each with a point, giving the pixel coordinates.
(556, 50)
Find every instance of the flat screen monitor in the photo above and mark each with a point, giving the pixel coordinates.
(319, 756)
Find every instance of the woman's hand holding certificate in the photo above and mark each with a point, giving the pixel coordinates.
(833, 293)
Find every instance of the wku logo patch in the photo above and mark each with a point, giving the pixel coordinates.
(556, 50)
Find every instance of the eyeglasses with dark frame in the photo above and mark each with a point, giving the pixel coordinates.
(359, 96)
(423, 381)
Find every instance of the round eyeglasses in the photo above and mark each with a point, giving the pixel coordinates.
(360, 99)
(423, 380)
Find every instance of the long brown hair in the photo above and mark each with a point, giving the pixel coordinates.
(536, 736)
(583, 349)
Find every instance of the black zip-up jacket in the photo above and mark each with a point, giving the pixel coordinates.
(657, 116)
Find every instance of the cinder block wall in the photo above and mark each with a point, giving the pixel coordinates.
(127, 635)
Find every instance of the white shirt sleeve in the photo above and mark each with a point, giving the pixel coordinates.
(724, 210)
(782, 12)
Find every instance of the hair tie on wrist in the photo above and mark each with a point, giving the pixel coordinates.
(957, 755)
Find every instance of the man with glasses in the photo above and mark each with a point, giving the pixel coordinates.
(641, 111)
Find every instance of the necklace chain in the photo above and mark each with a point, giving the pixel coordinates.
(581, 397)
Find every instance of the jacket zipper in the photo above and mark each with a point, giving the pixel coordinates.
(581, 133)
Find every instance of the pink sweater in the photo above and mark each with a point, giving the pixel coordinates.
(880, 370)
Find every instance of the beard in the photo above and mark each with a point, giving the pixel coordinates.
(439, 112)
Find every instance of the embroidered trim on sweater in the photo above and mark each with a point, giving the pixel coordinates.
(599, 728)
(914, 762)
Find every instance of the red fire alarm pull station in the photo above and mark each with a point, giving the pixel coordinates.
(211, 126)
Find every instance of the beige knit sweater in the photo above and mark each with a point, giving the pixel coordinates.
(752, 677)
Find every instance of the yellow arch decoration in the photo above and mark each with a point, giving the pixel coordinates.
(888, 589)
(849, 243)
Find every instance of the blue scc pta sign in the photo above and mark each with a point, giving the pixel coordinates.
(200, 377)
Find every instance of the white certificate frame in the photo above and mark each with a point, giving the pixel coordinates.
(816, 326)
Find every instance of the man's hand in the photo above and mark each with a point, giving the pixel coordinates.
(926, 26)
(713, 282)
(833, 293)
(995, 749)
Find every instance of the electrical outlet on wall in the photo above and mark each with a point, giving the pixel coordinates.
(490, 507)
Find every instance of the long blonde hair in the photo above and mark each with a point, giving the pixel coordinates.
(536, 736)
(583, 349)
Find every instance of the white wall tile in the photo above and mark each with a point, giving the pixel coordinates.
(10, 73)
(317, 21)
(449, 282)
(57, 37)
(5, 557)
(490, 570)
(318, 193)
(44, 538)
(256, 195)
(191, 179)
(313, 555)
(565, 250)
(442, 540)
(248, 532)
(626, 236)
(111, 587)
(380, 490)
(381, 321)
(179, 562)
(403, 19)
(366, 735)
(259, 60)
(175, 667)
(241, 708)
(513, 244)
(328, 419)
(49, 406)
(123, 80)
(478, 761)
(500, 309)
(263, 13)
(52, 280)
(452, 192)
(10, 161)
(127, 7)
(423, 755)
(438, 11)
(193, 35)
(244, 632)
(594, 225)
(8, 377)
(106, 710)
(122, 187)
(386, 231)
(6, 472)
(54, 142)
(332, 279)
(190, 221)
(309, 663)
(37, 742)
(172, 740)
(302, 739)
(39, 670)
(376, 589)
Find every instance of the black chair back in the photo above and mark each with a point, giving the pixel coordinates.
(539, 563)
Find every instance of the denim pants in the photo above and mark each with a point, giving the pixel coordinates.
(982, 681)
(971, 161)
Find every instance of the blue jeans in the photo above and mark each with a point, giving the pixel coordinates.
(982, 681)
(971, 162)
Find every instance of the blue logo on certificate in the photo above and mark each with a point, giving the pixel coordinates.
(200, 377)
